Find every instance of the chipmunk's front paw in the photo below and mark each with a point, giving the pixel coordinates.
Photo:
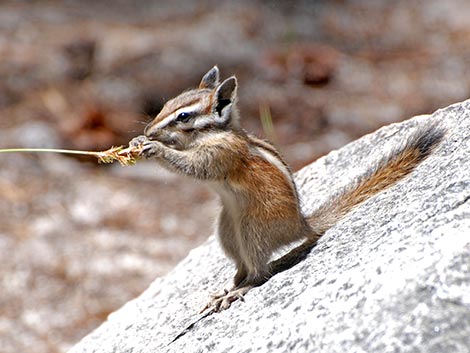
(138, 141)
(151, 149)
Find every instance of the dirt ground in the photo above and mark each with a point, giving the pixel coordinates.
(78, 239)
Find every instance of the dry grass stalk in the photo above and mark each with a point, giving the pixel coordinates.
(124, 155)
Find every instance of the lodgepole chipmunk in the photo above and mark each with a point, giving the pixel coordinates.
(198, 134)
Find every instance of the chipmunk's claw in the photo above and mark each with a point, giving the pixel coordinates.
(138, 141)
(223, 301)
(150, 149)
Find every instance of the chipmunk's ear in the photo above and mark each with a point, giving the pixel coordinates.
(210, 79)
(226, 95)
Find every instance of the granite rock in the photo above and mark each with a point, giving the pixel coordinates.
(392, 276)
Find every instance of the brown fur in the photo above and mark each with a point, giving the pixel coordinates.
(386, 173)
(260, 206)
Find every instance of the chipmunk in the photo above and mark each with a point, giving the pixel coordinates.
(198, 134)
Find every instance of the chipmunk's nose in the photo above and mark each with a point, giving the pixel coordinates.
(150, 131)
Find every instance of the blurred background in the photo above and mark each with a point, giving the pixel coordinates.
(78, 239)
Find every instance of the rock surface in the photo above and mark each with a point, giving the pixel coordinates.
(392, 276)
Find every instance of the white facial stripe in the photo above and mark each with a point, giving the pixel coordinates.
(203, 122)
(189, 109)
(165, 121)
(276, 162)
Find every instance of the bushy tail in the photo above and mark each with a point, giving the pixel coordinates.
(398, 164)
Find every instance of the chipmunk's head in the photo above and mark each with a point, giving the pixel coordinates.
(208, 109)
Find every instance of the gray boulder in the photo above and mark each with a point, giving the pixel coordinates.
(392, 276)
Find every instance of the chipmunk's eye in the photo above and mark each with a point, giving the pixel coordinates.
(183, 117)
